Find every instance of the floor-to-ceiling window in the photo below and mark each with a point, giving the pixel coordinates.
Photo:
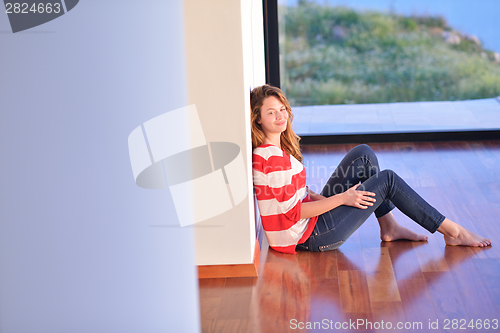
(390, 57)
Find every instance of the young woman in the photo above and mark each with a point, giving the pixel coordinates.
(296, 218)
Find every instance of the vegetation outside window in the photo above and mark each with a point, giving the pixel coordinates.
(338, 55)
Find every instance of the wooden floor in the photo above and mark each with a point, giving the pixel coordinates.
(372, 281)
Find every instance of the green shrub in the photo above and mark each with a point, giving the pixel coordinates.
(335, 55)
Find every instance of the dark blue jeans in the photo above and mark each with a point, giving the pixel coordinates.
(361, 165)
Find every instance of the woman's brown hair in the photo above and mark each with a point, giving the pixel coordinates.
(288, 139)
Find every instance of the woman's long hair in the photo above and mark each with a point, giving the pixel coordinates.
(288, 139)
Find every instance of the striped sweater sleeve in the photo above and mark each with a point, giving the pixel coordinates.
(279, 182)
(277, 185)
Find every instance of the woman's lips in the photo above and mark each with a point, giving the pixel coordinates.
(282, 123)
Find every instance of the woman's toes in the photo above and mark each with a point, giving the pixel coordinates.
(421, 237)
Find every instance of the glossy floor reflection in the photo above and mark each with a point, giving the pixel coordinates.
(372, 281)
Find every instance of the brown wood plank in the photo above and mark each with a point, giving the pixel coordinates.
(389, 312)
(456, 167)
(491, 191)
(369, 233)
(475, 167)
(432, 161)
(489, 154)
(417, 303)
(231, 325)
(295, 296)
(390, 158)
(380, 276)
(350, 321)
(471, 192)
(489, 269)
(265, 304)
(361, 279)
(325, 300)
(236, 298)
(324, 286)
(475, 295)
(323, 265)
(211, 287)
(404, 260)
(208, 313)
(430, 257)
(486, 223)
(349, 255)
(419, 175)
(445, 297)
(354, 292)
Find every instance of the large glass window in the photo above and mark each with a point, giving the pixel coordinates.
(388, 51)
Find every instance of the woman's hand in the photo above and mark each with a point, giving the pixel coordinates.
(359, 199)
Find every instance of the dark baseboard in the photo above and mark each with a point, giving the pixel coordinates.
(322, 139)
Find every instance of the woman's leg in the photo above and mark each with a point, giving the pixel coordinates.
(359, 164)
(335, 226)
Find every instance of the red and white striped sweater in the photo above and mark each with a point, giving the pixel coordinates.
(280, 185)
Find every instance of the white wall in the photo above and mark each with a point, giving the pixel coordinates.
(77, 250)
(225, 59)
(254, 70)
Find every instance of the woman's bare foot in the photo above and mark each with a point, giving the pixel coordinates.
(455, 234)
(391, 230)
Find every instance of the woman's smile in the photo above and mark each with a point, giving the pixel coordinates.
(273, 117)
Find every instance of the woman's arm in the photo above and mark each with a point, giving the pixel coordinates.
(315, 208)
(314, 196)
(351, 197)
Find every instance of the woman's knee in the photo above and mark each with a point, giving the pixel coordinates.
(366, 151)
(387, 172)
(363, 148)
(385, 176)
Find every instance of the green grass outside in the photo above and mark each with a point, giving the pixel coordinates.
(335, 55)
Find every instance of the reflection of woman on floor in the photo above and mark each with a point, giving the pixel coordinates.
(295, 218)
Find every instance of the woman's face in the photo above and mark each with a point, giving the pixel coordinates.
(273, 116)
